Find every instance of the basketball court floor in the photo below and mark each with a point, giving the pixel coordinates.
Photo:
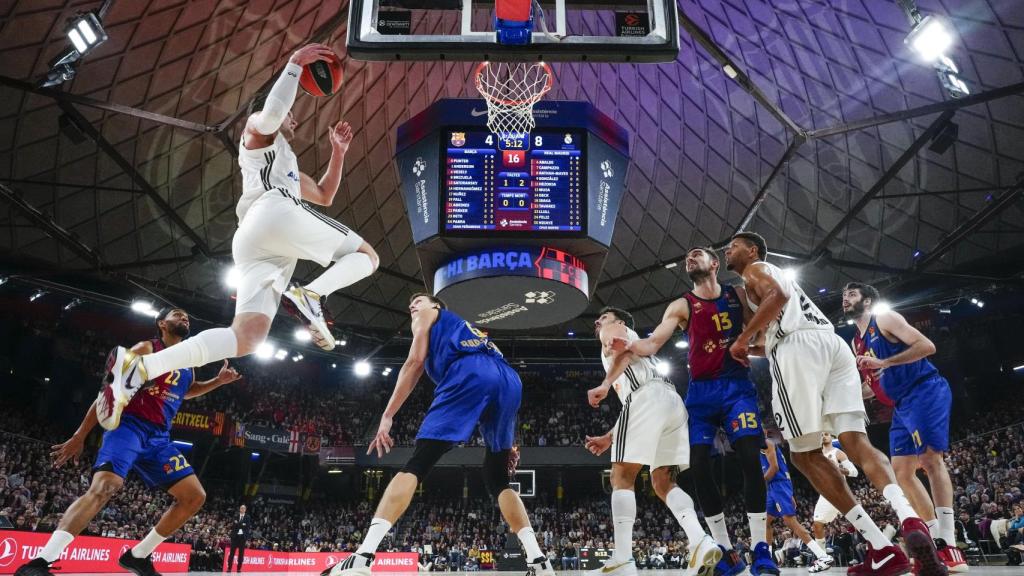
(975, 571)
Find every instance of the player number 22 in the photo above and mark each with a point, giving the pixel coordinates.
(179, 463)
(722, 321)
(748, 420)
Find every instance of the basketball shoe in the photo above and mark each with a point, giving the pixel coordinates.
(140, 566)
(614, 567)
(37, 567)
(820, 565)
(952, 557)
(308, 307)
(540, 566)
(888, 561)
(705, 555)
(763, 563)
(357, 564)
(921, 546)
(731, 563)
(125, 376)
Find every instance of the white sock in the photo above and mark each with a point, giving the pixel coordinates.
(933, 527)
(867, 527)
(947, 525)
(374, 534)
(346, 271)
(55, 546)
(817, 548)
(718, 529)
(207, 346)
(148, 544)
(681, 505)
(529, 542)
(820, 542)
(758, 527)
(898, 500)
(623, 517)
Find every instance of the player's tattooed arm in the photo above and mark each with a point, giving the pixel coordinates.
(894, 326)
(772, 295)
(773, 460)
(676, 315)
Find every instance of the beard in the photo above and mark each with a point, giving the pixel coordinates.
(697, 275)
(855, 311)
(179, 330)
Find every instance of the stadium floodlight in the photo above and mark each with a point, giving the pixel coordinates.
(882, 307)
(334, 365)
(849, 322)
(182, 443)
(302, 335)
(232, 277)
(265, 351)
(38, 294)
(663, 368)
(790, 274)
(342, 342)
(75, 302)
(145, 308)
(85, 32)
(281, 354)
(683, 344)
(1018, 368)
(931, 38)
(334, 471)
(362, 368)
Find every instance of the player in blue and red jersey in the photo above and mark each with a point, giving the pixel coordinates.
(721, 395)
(476, 388)
(141, 442)
(886, 344)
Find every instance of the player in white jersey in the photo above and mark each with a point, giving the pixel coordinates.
(276, 229)
(651, 430)
(824, 511)
(816, 389)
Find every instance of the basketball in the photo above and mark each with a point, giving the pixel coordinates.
(321, 78)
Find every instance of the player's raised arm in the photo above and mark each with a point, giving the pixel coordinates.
(620, 360)
(676, 315)
(323, 192)
(773, 297)
(279, 100)
(894, 325)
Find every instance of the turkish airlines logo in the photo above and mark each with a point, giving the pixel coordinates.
(8, 550)
(331, 561)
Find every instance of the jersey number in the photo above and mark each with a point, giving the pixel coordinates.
(179, 463)
(917, 438)
(722, 321)
(748, 420)
(172, 378)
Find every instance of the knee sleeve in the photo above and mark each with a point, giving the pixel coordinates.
(706, 490)
(425, 456)
(755, 492)
(496, 472)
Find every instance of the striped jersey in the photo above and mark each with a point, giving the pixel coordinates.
(799, 312)
(273, 169)
(641, 371)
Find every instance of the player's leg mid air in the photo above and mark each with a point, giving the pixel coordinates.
(651, 430)
(475, 387)
(277, 228)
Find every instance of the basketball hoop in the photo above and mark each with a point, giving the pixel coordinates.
(510, 90)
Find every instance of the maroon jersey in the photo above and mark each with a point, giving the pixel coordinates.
(714, 325)
(161, 399)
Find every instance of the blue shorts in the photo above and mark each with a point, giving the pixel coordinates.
(921, 419)
(477, 389)
(727, 404)
(146, 449)
(780, 499)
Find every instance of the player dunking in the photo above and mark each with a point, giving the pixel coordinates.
(276, 229)
(651, 430)
(885, 344)
(475, 386)
(816, 389)
(781, 504)
(142, 443)
(721, 395)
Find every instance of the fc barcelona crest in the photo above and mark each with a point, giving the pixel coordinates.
(458, 138)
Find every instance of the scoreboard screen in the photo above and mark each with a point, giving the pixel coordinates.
(533, 184)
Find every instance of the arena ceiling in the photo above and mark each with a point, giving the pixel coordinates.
(824, 150)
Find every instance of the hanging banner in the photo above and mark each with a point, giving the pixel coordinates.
(87, 553)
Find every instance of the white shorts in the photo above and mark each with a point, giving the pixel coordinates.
(652, 428)
(814, 377)
(824, 511)
(276, 232)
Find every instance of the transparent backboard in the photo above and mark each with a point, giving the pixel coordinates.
(563, 30)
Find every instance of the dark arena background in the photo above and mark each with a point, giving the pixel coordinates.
(871, 141)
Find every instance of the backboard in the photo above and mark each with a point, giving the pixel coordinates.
(562, 30)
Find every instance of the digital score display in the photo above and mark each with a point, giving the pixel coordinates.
(515, 185)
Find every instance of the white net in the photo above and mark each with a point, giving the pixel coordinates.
(511, 89)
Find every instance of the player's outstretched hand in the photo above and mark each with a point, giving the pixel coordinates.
(740, 351)
(227, 374)
(311, 53)
(595, 395)
(620, 344)
(341, 136)
(598, 445)
(382, 442)
(69, 450)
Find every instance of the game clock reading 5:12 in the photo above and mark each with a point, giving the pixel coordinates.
(529, 184)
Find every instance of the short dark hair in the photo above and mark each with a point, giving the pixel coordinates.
(164, 312)
(621, 314)
(707, 250)
(430, 297)
(755, 239)
(866, 290)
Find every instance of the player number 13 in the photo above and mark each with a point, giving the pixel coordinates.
(722, 321)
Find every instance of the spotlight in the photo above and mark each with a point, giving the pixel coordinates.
(822, 290)
(36, 296)
(281, 354)
(362, 368)
(881, 308)
(145, 308)
(334, 471)
(671, 265)
(790, 274)
(974, 301)
(72, 304)
(663, 368)
(945, 311)
(264, 351)
(682, 344)
(3, 280)
(981, 304)
(570, 333)
(1018, 368)
(334, 365)
(231, 277)
(849, 322)
(302, 335)
(917, 254)
(343, 343)
(930, 38)
(85, 32)
(730, 71)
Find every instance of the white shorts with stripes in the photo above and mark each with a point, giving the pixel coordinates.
(652, 428)
(276, 232)
(814, 377)
(824, 511)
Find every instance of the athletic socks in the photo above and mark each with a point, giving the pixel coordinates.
(933, 528)
(820, 542)
(55, 546)
(818, 548)
(207, 346)
(719, 532)
(346, 271)
(898, 500)
(529, 542)
(758, 527)
(374, 535)
(148, 544)
(681, 505)
(947, 525)
(867, 527)
(623, 517)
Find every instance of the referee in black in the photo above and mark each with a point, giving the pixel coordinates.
(239, 535)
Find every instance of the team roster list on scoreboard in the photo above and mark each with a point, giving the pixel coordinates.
(532, 183)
